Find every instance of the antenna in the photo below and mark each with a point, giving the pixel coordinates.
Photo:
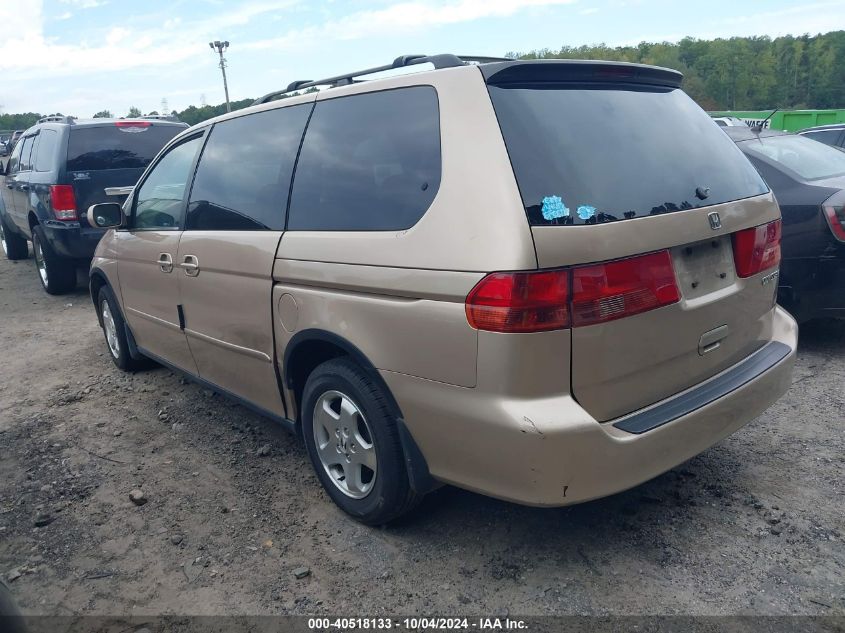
(759, 127)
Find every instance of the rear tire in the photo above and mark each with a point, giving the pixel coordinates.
(114, 331)
(359, 460)
(57, 274)
(14, 246)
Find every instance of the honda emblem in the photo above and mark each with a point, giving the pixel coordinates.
(715, 220)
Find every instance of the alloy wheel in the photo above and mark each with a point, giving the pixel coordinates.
(345, 444)
(111, 329)
(40, 261)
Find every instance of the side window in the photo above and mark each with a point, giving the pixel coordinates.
(15, 160)
(26, 152)
(44, 160)
(369, 162)
(158, 203)
(244, 173)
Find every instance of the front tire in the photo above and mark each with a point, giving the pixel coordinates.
(114, 330)
(353, 442)
(57, 274)
(14, 246)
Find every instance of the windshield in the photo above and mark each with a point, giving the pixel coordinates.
(809, 159)
(586, 155)
(113, 147)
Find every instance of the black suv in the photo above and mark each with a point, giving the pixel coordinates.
(59, 168)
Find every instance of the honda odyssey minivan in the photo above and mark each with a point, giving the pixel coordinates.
(544, 281)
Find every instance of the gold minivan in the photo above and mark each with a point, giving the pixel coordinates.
(544, 281)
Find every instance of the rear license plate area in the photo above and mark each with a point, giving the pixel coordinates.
(704, 267)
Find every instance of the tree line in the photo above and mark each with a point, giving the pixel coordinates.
(740, 73)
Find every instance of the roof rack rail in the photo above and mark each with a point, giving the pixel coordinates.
(438, 61)
(57, 119)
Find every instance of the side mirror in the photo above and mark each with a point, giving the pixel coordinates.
(106, 215)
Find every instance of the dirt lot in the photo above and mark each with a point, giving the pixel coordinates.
(752, 526)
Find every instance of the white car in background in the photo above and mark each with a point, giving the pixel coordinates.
(728, 121)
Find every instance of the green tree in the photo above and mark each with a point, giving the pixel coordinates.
(134, 113)
(103, 114)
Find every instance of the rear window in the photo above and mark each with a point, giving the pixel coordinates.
(587, 155)
(113, 147)
(828, 137)
(807, 158)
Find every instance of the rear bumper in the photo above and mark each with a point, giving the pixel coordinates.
(72, 240)
(550, 452)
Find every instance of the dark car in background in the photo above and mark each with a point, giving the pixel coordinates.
(808, 179)
(60, 167)
(833, 135)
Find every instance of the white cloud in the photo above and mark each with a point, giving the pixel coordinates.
(402, 18)
(589, 11)
(85, 4)
(118, 48)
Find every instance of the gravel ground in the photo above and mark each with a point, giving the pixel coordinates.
(229, 519)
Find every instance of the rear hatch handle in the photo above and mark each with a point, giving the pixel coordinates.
(712, 340)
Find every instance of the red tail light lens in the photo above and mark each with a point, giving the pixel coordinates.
(836, 219)
(520, 302)
(757, 249)
(604, 292)
(63, 203)
(543, 300)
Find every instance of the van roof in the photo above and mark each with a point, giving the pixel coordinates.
(500, 70)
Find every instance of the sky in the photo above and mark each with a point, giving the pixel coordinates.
(81, 56)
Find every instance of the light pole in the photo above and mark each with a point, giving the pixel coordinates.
(220, 47)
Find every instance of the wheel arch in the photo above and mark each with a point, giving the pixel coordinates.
(309, 348)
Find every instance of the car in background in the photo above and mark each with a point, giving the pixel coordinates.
(808, 179)
(729, 121)
(14, 139)
(4, 143)
(59, 168)
(833, 135)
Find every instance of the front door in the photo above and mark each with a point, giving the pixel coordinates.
(235, 219)
(149, 277)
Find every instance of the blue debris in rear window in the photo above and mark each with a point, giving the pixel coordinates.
(585, 211)
(553, 208)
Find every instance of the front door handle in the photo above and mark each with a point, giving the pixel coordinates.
(9, 185)
(165, 262)
(24, 187)
(191, 265)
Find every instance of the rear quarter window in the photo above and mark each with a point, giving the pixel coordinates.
(112, 147)
(45, 158)
(605, 153)
(368, 162)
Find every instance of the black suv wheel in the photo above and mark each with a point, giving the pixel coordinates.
(14, 246)
(57, 274)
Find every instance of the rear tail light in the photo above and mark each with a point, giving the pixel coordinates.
(604, 292)
(836, 219)
(520, 302)
(757, 249)
(545, 300)
(63, 203)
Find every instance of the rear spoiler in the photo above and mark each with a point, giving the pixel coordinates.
(534, 71)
